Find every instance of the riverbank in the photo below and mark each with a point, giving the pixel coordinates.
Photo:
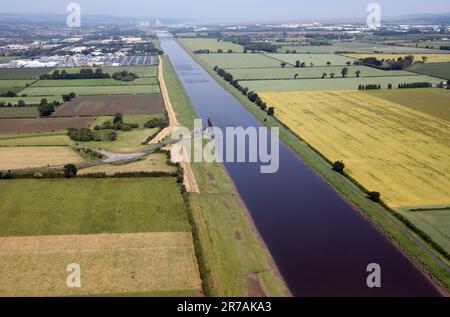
(409, 243)
(233, 259)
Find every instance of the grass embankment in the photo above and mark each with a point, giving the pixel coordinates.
(228, 247)
(349, 190)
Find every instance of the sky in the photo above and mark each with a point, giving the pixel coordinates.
(231, 10)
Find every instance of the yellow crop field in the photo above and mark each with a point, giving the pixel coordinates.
(132, 263)
(431, 58)
(401, 153)
(36, 156)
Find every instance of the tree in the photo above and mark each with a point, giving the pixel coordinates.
(374, 196)
(332, 75)
(358, 73)
(295, 76)
(348, 63)
(118, 118)
(283, 65)
(21, 103)
(328, 63)
(312, 64)
(46, 109)
(324, 75)
(297, 64)
(338, 166)
(70, 171)
(390, 86)
(271, 111)
(344, 72)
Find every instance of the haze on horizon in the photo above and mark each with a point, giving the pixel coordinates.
(230, 10)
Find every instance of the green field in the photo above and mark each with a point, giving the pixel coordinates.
(141, 71)
(95, 82)
(355, 47)
(433, 101)
(239, 60)
(16, 112)
(211, 44)
(137, 119)
(22, 73)
(332, 84)
(441, 70)
(36, 139)
(6, 59)
(436, 223)
(310, 72)
(127, 142)
(29, 100)
(316, 59)
(92, 90)
(13, 85)
(84, 206)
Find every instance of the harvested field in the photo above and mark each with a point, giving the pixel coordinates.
(401, 153)
(90, 206)
(16, 112)
(337, 83)
(152, 163)
(110, 105)
(95, 82)
(92, 90)
(432, 58)
(433, 101)
(42, 124)
(109, 264)
(35, 139)
(12, 158)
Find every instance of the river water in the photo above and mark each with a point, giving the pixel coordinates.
(320, 243)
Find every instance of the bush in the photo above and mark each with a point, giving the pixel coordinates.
(338, 166)
(374, 196)
(70, 171)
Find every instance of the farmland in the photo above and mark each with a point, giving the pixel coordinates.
(92, 90)
(153, 163)
(42, 124)
(35, 139)
(381, 140)
(138, 263)
(212, 45)
(141, 120)
(239, 60)
(13, 85)
(141, 71)
(441, 70)
(29, 100)
(310, 72)
(21, 73)
(16, 112)
(333, 84)
(127, 142)
(431, 58)
(31, 157)
(315, 59)
(95, 82)
(118, 206)
(110, 105)
(357, 47)
(419, 100)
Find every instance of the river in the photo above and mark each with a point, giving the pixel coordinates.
(320, 243)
